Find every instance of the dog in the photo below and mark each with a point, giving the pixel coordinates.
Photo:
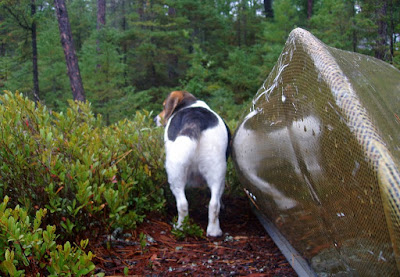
(197, 148)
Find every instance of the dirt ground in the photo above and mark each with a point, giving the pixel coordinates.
(245, 249)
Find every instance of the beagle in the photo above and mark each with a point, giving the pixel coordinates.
(196, 145)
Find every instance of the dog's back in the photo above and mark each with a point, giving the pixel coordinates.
(198, 122)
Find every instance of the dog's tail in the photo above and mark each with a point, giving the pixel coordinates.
(229, 147)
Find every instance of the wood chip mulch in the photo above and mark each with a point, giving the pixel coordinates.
(245, 249)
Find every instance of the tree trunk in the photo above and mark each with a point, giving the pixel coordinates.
(101, 14)
(69, 51)
(172, 58)
(31, 28)
(239, 24)
(309, 8)
(381, 49)
(140, 10)
(2, 49)
(245, 10)
(2, 44)
(269, 13)
(392, 31)
(101, 21)
(35, 70)
(124, 26)
(355, 39)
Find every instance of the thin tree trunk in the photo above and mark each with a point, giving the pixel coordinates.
(381, 44)
(355, 39)
(69, 51)
(245, 10)
(309, 8)
(101, 21)
(172, 58)
(2, 49)
(29, 27)
(2, 44)
(392, 30)
(239, 23)
(35, 70)
(124, 26)
(269, 13)
(140, 10)
(101, 14)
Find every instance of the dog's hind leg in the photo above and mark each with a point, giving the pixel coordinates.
(213, 228)
(181, 204)
(179, 155)
(177, 179)
(213, 169)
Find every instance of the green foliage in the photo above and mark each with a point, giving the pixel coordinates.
(200, 73)
(83, 20)
(26, 247)
(133, 101)
(188, 229)
(334, 23)
(53, 79)
(275, 33)
(221, 51)
(102, 70)
(241, 74)
(158, 49)
(82, 172)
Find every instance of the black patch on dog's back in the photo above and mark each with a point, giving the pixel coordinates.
(191, 122)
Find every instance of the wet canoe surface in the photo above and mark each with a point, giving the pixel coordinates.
(318, 155)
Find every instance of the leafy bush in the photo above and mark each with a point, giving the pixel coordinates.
(188, 229)
(78, 173)
(82, 172)
(24, 245)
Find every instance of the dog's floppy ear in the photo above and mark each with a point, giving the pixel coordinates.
(170, 105)
(174, 99)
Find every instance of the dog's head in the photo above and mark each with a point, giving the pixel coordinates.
(175, 101)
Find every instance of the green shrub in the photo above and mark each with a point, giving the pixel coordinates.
(188, 229)
(82, 172)
(24, 245)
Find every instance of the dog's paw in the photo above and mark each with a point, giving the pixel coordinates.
(177, 226)
(213, 231)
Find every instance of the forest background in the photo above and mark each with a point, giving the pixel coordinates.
(133, 53)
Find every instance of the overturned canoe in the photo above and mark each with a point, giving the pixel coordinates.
(318, 155)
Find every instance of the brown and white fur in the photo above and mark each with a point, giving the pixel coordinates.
(196, 145)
